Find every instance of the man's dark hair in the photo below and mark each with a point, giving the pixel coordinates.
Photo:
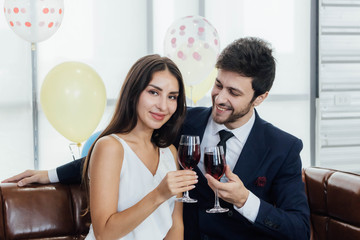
(250, 57)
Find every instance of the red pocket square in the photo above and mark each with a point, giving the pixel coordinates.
(260, 181)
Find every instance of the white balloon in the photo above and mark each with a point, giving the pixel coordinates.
(193, 44)
(34, 20)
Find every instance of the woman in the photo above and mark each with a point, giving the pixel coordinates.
(131, 172)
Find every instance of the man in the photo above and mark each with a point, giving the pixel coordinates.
(263, 187)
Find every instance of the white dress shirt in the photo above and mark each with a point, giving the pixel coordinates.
(53, 177)
(234, 146)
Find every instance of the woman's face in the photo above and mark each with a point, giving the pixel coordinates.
(158, 101)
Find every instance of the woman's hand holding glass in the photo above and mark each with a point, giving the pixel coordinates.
(177, 182)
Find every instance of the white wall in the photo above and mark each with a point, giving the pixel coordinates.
(110, 37)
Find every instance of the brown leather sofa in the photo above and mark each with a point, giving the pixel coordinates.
(54, 211)
(334, 200)
(51, 211)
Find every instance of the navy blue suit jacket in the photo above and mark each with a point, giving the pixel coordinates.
(269, 166)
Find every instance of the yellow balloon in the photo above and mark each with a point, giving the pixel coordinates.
(198, 91)
(73, 98)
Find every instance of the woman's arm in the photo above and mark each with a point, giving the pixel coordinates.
(177, 229)
(105, 167)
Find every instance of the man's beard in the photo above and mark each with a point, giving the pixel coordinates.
(234, 115)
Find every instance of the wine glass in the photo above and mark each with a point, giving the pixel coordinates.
(214, 161)
(188, 157)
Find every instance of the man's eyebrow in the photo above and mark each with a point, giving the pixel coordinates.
(231, 88)
(236, 90)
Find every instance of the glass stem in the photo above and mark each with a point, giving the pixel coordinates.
(186, 194)
(216, 205)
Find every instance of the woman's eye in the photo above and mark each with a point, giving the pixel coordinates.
(173, 97)
(153, 92)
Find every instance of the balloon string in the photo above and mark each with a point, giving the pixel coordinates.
(191, 96)
(77, 146)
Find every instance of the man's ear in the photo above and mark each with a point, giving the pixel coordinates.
(260, 99)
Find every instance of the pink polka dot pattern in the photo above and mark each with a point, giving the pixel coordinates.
(34, 20)
(196, 56)
(180, 55)
(193, 44)
(189, 30)
(173, 42)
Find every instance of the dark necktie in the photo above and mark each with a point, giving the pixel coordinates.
(224, 136)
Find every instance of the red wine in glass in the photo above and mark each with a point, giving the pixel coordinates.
(214, 161)
(188, 157)
(213, 167)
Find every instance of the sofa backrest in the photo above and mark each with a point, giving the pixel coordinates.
(334, 200)
(51, 211)
(54, 211)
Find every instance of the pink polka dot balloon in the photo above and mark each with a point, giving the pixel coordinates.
(34, 20)
(193, 44)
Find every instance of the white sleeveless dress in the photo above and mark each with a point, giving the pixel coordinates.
(136, 181)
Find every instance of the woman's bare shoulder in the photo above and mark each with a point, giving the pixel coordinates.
(108, 147)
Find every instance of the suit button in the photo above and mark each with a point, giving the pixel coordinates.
(230, 213)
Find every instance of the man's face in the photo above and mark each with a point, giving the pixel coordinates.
(231, 99)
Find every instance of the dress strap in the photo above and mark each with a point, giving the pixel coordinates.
(116, 137)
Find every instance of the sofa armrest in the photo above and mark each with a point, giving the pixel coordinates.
(334, 200)
(42, 211)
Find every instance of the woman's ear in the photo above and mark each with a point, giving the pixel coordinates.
(260, 99)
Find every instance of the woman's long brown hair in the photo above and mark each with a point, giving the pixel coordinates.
(125, 116)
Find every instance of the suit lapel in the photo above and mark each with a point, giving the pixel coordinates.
(253, 153)
(196, 121)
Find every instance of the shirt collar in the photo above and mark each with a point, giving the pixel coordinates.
(241, 133)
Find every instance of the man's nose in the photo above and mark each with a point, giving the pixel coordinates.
(221, 96)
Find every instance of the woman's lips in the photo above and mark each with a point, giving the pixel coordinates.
(158, 116)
